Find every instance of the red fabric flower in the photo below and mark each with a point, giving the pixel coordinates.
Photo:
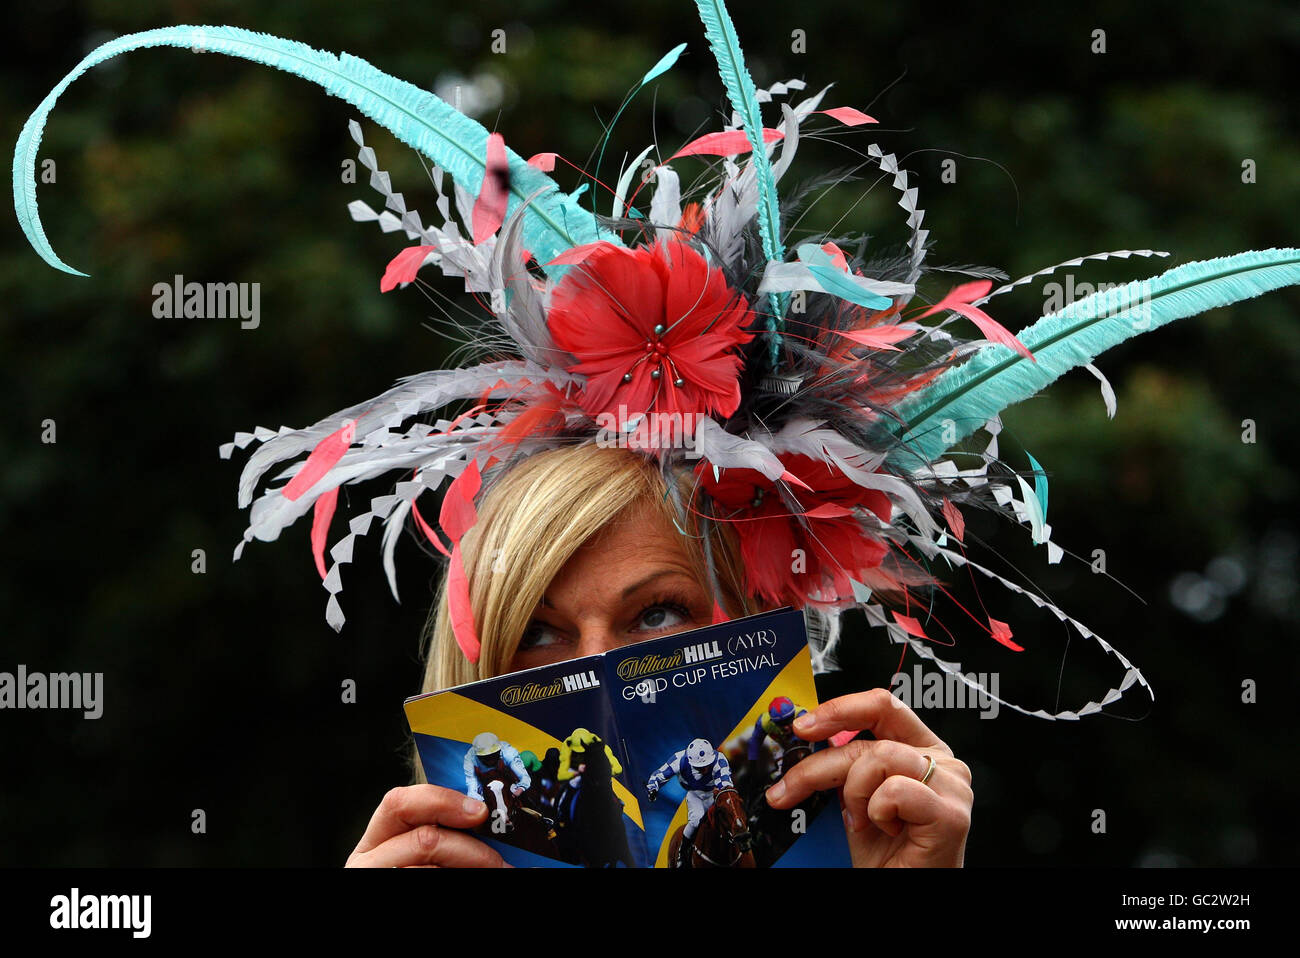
(833, 543)
(653, 328)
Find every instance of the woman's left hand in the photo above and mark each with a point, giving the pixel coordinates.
(892, 819)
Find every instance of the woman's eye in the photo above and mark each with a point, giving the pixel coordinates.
(538, 635)
(663, 617)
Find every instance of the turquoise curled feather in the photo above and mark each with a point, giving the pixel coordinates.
(553, 224)
(735, 77)
(1040, 482)
(962, 399)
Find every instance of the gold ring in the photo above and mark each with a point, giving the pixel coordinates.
(929, 771)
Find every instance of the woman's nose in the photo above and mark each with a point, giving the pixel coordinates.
(598, 638)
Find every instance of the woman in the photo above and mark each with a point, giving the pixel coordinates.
(828, 422)
(576, 552)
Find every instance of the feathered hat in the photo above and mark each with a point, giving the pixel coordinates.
(817, 408)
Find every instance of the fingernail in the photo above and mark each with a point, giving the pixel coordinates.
(848, 821)
(473, 806)
(805, 722)
(776, 791)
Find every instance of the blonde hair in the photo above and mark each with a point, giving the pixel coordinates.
(531, 521)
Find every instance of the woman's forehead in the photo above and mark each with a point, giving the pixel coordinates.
(640, 546)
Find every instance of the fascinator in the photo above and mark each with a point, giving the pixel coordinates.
(842, 428)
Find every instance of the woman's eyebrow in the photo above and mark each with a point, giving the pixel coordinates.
(651, 578)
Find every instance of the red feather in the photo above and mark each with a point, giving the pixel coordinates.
(952, 515)
(726, 143)
(579, 254)
(1002, 633)
(490, 207)
(322, 513)
(910, 625)
(543, 161)
(459, 609)
(538, 417)
(836, 254)
(322, 459)
(428, 530)
(458, 514)
(959, 299)
(692, 217)
(848, 115)
(403, 267)
(879, 337)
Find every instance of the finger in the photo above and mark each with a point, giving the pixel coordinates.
(882, 714)
(893, 759)
(832, 768)
(430, 845)
(902, 800)
(403, 809)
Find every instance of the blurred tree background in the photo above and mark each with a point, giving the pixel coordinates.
(223, 689)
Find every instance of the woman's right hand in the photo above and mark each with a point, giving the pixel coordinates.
(419, 826)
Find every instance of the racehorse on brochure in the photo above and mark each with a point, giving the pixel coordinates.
(723, 839)
(590, 815)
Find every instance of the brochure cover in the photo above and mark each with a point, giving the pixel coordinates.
(656, 754)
